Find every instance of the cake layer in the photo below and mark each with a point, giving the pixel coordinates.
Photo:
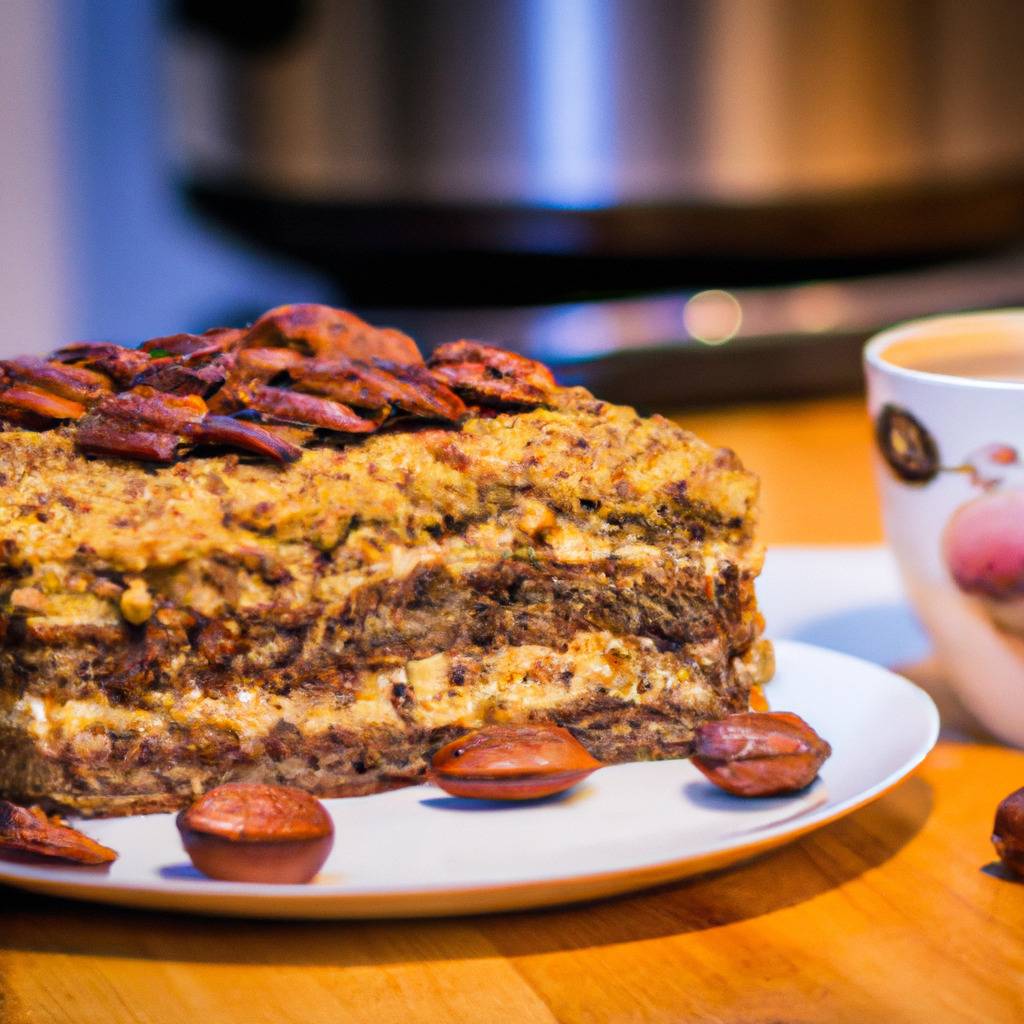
(624, 699)
(601, 467)
(658, 594)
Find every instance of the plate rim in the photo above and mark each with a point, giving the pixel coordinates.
(273, 900)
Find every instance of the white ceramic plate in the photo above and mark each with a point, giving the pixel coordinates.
(417, 851)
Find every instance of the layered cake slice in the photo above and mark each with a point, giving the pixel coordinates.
(295, 553)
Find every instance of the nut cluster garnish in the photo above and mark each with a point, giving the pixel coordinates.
(760, 753)
(1008, 833)
(512, 762)
(242, 832)
(29, 830)
(298, 372)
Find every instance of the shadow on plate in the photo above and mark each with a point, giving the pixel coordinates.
(891, 635)
(886, 634)
(783, 878)
(463, 805)
(705, 795)
(183, 872)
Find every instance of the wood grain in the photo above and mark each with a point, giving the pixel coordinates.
(895, 914)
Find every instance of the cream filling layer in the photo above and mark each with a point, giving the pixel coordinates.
(509, 684)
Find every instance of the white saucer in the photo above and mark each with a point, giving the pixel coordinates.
(417, 852)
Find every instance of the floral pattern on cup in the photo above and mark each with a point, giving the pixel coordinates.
(907, 445)
(983, 541)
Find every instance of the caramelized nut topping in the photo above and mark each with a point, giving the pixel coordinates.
(267, 362)
(177, 379)
(329, 333)
(295, 407)
(100, 436)
(296, 370)
(142, 405)
(193, 347)
(376, 386)
(121, 365)
(43, 403)
(249, 436)
(70, 382)
(435, 398)
(490, 375)
(480, 384)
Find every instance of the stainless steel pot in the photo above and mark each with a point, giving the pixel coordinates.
(589, 103)
(749, 131)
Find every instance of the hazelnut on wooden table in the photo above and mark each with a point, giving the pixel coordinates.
(760, 753)
(243, 832)
(1008, 833)
(512, 762)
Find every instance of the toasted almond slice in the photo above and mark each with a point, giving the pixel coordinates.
(373, 387)
(480, 384)
(295, 407)
(195, 347)
(173, 378)
(264, 363)
(71, 382)
(144, 406)
(330, 333)
(30, 831)
(120, 364)
(30, 399)
(507, 364)
(100, 435)
(238, 434)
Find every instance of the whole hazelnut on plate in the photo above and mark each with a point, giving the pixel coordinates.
(512, 762)
(244, 832)
(1008, 833)
(760, 753)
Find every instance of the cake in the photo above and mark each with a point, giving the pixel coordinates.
(297, 553)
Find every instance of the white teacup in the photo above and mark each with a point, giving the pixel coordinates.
(946, 397)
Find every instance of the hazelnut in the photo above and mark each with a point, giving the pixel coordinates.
(29, 830)
(760, 753)
(244, 832)
(512, 762)
(1008, 833)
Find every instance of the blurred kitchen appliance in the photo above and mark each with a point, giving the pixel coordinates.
(541, 161)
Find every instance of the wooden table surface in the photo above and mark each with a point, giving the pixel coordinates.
(893, 914)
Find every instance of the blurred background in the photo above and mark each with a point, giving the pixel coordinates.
(673, 201)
